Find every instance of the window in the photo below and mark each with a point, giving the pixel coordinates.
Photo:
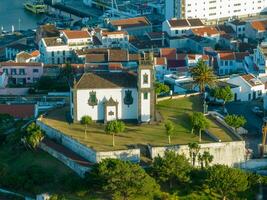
(145, 95)
(6, 71)
(21, 71)
(259, 93)
(35, 70)
(13, 71)
(52, 53)
(145, 79)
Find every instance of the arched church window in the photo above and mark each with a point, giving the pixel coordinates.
(92, 99)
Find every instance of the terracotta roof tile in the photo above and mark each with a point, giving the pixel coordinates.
(105, 80)
(169, 53)
(73, 34)
(131, 22)
(175, 23)
(205, 31)
(18, 110)
(259, 25)
(95, 58)
(252, 80)
(118, 55)
(160, 61)
(227, 56)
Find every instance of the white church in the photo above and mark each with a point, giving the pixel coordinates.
(122, 95)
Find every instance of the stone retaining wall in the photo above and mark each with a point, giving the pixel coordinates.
(227, 153)
(79, 169)
(89, 154)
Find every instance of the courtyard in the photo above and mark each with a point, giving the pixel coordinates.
(135, 135)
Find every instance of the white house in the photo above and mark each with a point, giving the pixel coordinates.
(107, 96)
(260, 57)
(113, 39)
(231, 62)
(239, 27)
(178, 27)
(58, 50)
(256, 29)
(251, 87)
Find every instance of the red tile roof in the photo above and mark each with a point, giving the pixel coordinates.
(169, 53)
(131, 22)
(259, 25)
(73, 34)
(227, 56)
(2, 64)
(205, 31)
(160, 61)
(22, 111)
(252, 80)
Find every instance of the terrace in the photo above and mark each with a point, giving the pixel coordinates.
(176, 110)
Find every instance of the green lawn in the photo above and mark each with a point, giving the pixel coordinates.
(177, 110)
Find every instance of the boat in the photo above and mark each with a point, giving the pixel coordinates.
(37, 6)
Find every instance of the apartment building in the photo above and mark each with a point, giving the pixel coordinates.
(213, 10)
(58, 50)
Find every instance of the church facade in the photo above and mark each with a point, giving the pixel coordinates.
(121, 95)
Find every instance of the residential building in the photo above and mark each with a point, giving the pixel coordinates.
(107, 96)
(113, 39)
(214, 10)
(239, 27)
(13, 49)
(178, 27)
(260, 58)
(231, 62)
(134, 26)
(44, 31)
(22, 73)
(256, 29)
(28, 57)
(251, 87)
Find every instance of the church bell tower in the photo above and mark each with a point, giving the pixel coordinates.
(146, 92)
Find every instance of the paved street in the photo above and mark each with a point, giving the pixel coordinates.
(254, 122)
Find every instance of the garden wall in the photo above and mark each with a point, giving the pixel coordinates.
(89, 154)
(227, 153)
(79, 169)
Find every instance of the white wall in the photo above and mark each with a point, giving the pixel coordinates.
(97, 112)
(87, 153)
(213, 10)
(227, 153)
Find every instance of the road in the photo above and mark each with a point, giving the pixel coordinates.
(253, 125)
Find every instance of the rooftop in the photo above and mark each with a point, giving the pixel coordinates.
(131, 22)
(106, 80)
(76, 34)
(178, 23)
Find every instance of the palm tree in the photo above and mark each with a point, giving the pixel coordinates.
(194, 149)
(202, 75)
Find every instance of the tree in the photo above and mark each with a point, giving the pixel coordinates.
(169, 130)
(121, 179)
(224, 93)
(68, 73)
(205, 159)
(199, 122)
(235, 121)
(202, 75)
(194, 149)
(86, 120)
(226, 181)
(34, 135)
(171, 168)
(161, 88)
(114, 127)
